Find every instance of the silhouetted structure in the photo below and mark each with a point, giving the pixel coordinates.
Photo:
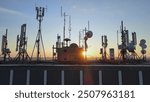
(127, 48)
(39, 40)
(67, 54)
(5, 50)
(21, 47)
(104, 45)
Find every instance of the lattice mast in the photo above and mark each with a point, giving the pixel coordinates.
(5, 50)
(21, 46)
(40, 14)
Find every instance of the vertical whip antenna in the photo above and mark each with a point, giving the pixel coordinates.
(69, 27)
(88, 25)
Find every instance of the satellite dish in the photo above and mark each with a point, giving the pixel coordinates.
(89, 34)
(131, 47)
(143, 41)
(73, 45)
(144, 46)
(143, 51)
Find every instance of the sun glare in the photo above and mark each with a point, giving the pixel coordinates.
(83, 53)
(88, 53)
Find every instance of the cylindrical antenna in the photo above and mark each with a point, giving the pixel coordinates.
(117, 39)
(43, 11)
(79, 38)
(134, 39)
(118, 43)
(88, 25)
(4, 43)
(6, 33)
(127, 37)
(17, 42)
(105, 39)
(6, 38)
(102, 41)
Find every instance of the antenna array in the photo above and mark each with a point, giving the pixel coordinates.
(104, 45)
(5, 51)
(21, 46)
(143, 46)
(127, 48)
(39, 16)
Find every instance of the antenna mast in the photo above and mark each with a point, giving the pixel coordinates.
(123, 49)
(5, 51)
(21, 45)
(69, 27)
(64, 28)
(64, 32)
(88, 25)
(66, 40)
(40, 14)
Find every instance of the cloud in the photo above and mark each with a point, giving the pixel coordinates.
(12, 12)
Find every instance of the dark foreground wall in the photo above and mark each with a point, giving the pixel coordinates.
(46, 74)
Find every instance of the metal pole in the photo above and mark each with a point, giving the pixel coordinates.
(5, 46)
(123, 50)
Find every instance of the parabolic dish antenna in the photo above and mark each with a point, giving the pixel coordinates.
(89, 34)
(144, 46)
(131, 47)
(143, 51)
(143, 41)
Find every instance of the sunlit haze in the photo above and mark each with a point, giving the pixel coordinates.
(105, 18)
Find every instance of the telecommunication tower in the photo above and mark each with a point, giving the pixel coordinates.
(21, 46)
(39, 41)
(127, 48)
(65, 39)
(5, 51)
